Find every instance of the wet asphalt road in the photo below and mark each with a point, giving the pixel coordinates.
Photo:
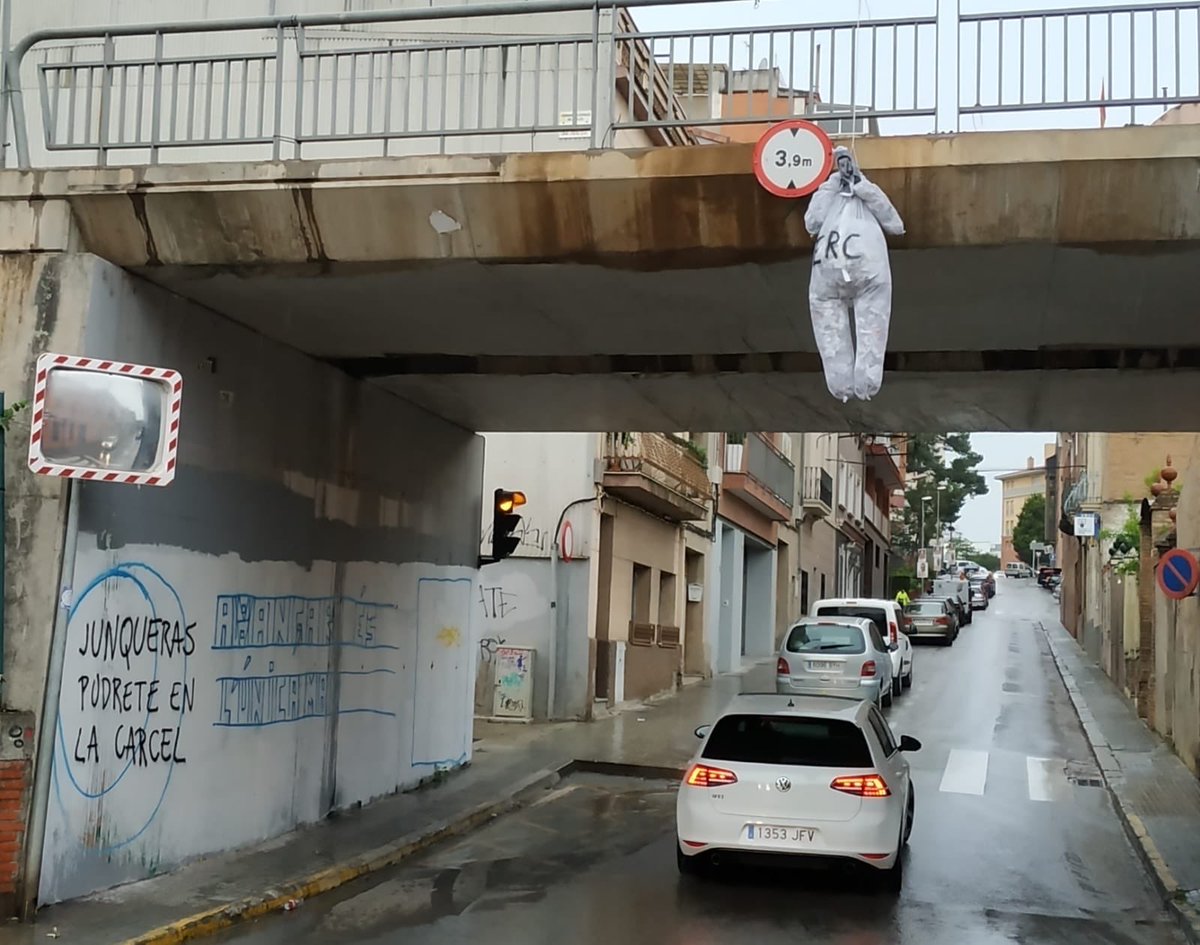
(1025, 851)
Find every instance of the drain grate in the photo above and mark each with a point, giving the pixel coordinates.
(1088, 782)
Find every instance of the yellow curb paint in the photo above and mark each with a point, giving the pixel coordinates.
(211, 921)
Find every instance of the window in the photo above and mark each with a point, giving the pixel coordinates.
(639, 600)
(876, 615)
(666, 599)
(927, 607)
(788, 740)
(826, 638)
(877, 638)
(883, 732)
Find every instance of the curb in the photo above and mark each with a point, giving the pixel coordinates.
(270, 900)
(1186, 916)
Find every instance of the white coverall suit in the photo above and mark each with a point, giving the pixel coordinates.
(848, 215)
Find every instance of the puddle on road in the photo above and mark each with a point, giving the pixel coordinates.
(518, 858)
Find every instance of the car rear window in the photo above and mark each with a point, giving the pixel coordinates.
(877, 615)
(788, 740)
(926, 607)
(826, 638)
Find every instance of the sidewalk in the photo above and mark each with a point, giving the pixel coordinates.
(1156, 795)
(511, 764)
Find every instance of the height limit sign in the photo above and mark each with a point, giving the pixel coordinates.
(793, 158)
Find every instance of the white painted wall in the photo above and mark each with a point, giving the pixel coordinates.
(319, 530)
(553, 470)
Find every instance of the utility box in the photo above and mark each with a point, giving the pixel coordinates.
(512, 682)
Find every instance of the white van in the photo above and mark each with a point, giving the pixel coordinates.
(1017, 569)
(888, 618)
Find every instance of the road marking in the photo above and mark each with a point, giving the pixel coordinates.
(966, 772)
(1042, 772)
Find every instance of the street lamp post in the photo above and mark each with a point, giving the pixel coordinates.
(924, 499)
(941, 487)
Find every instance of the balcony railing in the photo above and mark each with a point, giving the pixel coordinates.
(817, 490)
(657, 472)
(759, 473)
(550, 74)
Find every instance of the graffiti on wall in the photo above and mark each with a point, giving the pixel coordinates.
(441, 717)
(279, 688)
(127, 693)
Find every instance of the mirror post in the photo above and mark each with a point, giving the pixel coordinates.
(48, 727)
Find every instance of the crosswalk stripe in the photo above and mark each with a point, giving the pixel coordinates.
(966, 772)
(1041, 778)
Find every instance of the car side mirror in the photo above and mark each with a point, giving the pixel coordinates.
(702, 731)
(908, 743)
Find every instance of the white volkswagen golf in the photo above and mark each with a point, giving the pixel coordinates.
(805, 780)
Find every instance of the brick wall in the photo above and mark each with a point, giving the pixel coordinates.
(14, 798)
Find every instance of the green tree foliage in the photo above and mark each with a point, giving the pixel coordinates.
(935, 458)
(6, 416)
(1127, 543)
(1030, 527)
(989, 561)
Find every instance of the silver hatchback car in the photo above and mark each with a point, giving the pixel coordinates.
(835, 656)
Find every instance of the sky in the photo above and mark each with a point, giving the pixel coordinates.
(1002, 452)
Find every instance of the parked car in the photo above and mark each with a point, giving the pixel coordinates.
(815, 781)
(1017, 569)
(933, 617)
(979, 597)
(960, 590)
(836, 656)
(1044, 575)
(888, 617)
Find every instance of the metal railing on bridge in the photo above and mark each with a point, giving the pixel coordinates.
(565, 74)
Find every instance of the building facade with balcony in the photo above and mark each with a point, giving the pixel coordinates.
(754, 545)
(608, 584)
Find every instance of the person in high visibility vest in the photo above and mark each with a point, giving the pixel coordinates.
(902, 598)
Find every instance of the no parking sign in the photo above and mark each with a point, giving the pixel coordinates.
(1178, 574)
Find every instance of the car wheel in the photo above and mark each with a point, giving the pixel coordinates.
(906, 681)
(888, 698)
(893, 879)
(909, 814)
(897, 686)
(690, 865)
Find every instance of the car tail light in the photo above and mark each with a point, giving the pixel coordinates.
(895, 632)
(862, 785)
(782, 668)
(704, 776)
(942, 621)
(868, 668)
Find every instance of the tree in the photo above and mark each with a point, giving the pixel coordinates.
(935, 458)
(987, 560)
(1030, 527)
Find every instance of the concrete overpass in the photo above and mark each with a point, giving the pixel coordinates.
(1047, 279)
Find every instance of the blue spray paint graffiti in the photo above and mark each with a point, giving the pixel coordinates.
(118, 645)
(292, 624)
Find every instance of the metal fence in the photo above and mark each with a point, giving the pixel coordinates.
(565, 74)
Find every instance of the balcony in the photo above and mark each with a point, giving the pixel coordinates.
(817, 494)
(883, 459)
(758, 473)
(657, 473)
(880, 519)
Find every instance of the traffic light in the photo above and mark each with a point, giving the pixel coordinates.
(504, 522)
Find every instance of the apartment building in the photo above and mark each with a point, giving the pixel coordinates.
(1106, 474)
(647, 558)
(1016, 489)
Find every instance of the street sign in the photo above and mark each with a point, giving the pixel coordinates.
(1178, 574)
(793, 158)
(922, 564)
(1087, 525)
